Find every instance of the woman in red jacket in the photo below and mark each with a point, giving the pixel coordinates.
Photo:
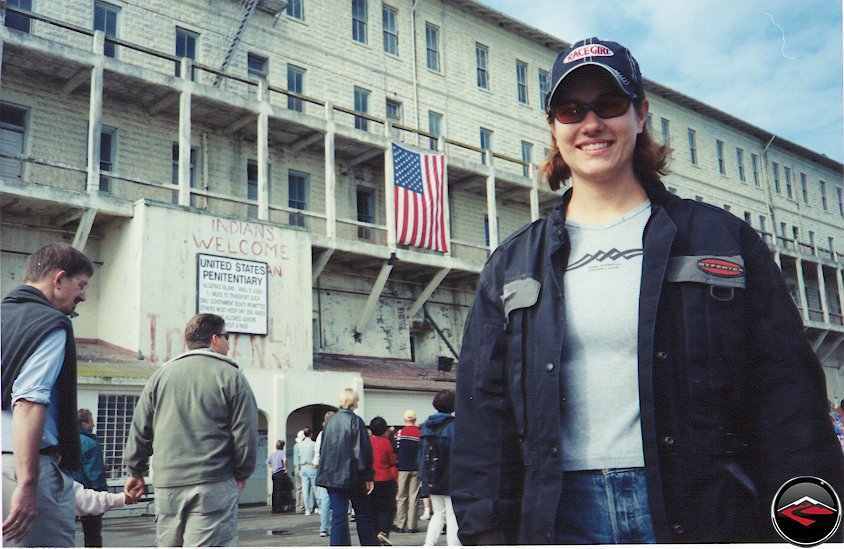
(386, 475)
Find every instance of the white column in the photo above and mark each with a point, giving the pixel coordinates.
(534, 191)
(446, 203)
(186, 89)
(491, 207)
(390, 192)
(95, 115)
(330, 173)
(263, 153)
(840, 280)
(801, 287)
(822, 289)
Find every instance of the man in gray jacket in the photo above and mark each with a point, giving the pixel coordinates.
(198, 416)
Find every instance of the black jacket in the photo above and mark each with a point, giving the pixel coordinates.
(732, 397)
(27, 318)
(345, 453)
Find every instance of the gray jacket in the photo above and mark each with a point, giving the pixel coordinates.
(198, 416)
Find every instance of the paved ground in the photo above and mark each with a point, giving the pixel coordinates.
(257, 527)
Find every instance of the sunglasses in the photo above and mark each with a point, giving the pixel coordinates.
(571, 112)
(225, 335)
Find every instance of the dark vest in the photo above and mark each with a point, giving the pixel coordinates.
(26, 317)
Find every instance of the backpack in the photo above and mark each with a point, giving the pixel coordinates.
(434, 458)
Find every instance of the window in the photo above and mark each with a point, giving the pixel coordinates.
(16, 20)
(804, 187)
(775, 167)
(544, 88)
(12, 138)
(257, 66)
(366, 211)
(186, 47)
(527, 157)
(481, 58)
(393, 110)
(297, 196)
(672, 190)
(362, 106)
(762, 222)
(692, 146)
(812, 239)
(719, 153)
(838, 192)
(754, 161)
(782, 229)
(748, 218)
(295, 84)
(432, 47)
(114, 418)
(108, 144)
(740, 164)
(391, 31)
(823, 195)
(435, 120)
(787, 173)
(175, 177)
(831, 246)
(698, 198)
(359, 21)
(486, 142)
(105, 19)
(666, 131)
(252, 185)
(727, 207)
(296, 9)
(521, 82)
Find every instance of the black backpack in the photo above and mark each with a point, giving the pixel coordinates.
(434, 459)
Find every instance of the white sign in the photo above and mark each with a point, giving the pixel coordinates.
(235, 289)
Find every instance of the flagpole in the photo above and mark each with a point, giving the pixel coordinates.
(389, 192)
(446, 209)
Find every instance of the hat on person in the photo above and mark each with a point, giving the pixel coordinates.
(409, 414)
(610, 56)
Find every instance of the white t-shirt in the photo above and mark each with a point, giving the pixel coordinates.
(600, 413)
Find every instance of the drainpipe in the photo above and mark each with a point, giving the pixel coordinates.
(415, 77)
(768, 198)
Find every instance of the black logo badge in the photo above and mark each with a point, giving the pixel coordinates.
(806, 511)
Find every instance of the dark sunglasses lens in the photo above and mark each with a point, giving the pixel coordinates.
(612, 107)
(569, 112)
(225, 335)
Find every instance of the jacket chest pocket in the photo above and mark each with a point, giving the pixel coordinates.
(518, 297)
(711, 291)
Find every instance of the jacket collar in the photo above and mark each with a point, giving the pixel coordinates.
(208, 353)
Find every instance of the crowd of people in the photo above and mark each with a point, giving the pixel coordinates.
(718, 398)
(375, 475)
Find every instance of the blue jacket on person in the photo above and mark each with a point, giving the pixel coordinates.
(91, 473)
(732, 397)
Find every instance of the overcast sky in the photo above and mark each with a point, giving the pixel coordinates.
(776, 64)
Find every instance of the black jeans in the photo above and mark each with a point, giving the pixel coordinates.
(384, 496)
(92, 527)
(281, 484)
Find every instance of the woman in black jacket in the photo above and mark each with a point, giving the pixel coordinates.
(345, 470)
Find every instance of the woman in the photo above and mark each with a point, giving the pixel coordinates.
(345, 470)
(323, 504)
(441, 426)
(386, 475)
(633, 367)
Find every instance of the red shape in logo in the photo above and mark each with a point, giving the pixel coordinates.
(802, 509)
(720, 267)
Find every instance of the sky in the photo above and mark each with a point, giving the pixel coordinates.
(776, 64)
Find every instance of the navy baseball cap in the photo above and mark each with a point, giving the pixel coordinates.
(610, 56)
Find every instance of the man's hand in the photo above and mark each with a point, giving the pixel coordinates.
(22, 513)
(370, 486)
(240, 484)
(134, 487)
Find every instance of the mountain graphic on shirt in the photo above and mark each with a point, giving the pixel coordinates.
(601, 256)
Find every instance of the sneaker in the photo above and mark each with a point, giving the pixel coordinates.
(382, 537)
(426, 515)
(323, 534)
(307, 513)
(316, 510)
(413, 531)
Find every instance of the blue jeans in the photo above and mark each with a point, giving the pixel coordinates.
(605, 506)
(308, 474)
(324, 509)
(364, 517)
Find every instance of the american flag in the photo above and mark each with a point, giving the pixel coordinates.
(420, 215)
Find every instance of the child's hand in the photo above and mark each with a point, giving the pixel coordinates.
(129, 499)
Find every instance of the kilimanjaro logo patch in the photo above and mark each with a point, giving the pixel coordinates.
(720, 267)
(594, 50)
(806, 511)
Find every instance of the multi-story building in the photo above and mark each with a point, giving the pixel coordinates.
(235, 157)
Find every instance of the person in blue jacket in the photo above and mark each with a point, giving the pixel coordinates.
(633, 368)
(91, 474)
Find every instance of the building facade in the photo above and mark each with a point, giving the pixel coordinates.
(236, 155)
